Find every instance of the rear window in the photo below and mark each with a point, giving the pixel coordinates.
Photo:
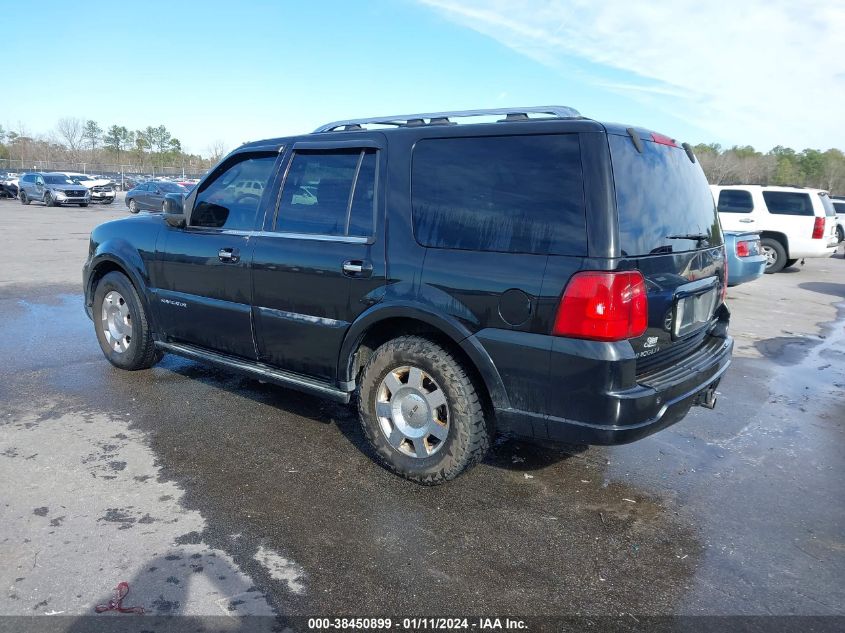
(735, 201)
(788, 203)
(839, 206)
(515, 194)
(661, 196)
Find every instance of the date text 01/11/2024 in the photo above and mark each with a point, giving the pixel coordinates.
(417, 624)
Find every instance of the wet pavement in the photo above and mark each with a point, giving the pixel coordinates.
(214, 494)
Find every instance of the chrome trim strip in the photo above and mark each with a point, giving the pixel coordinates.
(351, 239)
(303, 318)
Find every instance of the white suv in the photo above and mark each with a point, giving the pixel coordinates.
(794, 222)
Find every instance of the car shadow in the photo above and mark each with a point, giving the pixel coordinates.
(825, 287)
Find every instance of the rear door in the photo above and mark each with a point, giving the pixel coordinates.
(670, 231)
(320, 259)
(792, 213)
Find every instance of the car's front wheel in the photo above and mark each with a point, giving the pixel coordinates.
(775, 255)
(421, 411)
(122, 325)
(48, 200)
(83, 204)
(133, 206)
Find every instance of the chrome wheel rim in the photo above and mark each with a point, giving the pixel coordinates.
(116, 322)
(771, 256)
(412, 412)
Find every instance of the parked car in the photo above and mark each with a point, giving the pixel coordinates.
(794, 222)
(746, 260)
(839, 207)
(102, 189)
(545, 276)
(149, 196)
(53, 189)
(8, 189)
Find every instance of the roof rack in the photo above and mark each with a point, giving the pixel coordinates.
(444, 118)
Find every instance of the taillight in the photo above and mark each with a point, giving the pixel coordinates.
(663, 140)
(603, 306)
(818, 228)
(742, 249)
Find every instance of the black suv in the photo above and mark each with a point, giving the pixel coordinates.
(540, 274)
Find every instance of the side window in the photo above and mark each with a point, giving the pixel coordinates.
(329, 192)
(513, 194)
(788, 203)
(735, 201)
(224, 202)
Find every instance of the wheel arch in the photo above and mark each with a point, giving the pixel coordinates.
(107, 263)
(780, 237)
(383, 323)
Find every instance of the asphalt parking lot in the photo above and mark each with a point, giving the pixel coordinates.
(214, 494)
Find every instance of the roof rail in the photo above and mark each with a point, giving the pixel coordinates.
(443, 118)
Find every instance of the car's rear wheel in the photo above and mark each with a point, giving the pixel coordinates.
(122, 326)
(24, 198)
(421, 411)
(133, 206)
(840, 234)
(775, 255)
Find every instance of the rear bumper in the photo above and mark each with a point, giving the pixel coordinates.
(744, 269)
(596, 411)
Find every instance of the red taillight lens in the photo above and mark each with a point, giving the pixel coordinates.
(603, 306)
(663, 140)
(742, 249)
(818, 229)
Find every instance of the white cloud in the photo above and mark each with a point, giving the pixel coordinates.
(764, 72)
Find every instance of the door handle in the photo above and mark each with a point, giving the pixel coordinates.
(746, 220)
(229, 255)
(357, 268)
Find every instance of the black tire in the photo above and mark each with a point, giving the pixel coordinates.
(48, 199)
(840, 234)
(24, 198)
(778, 261)
(790, 262)
(83, 204)
(468, 435)
(140, 352)
(133, 206)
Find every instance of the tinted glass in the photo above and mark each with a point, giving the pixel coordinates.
(735, 201)
(839, 206)
(363, 199)
(661, 195)
(171, 187)
(518, 194)
(788, 203)
(317, 190)
(222, 204)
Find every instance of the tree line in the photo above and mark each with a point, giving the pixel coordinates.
(779, 166)
(77, 140)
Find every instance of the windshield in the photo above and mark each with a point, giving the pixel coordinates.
(663, 201)
(53, 179)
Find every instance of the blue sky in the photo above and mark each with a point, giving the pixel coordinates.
(239, 71)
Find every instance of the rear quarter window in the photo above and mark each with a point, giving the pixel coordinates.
(788, 203)
(660, 193)
(735, 201)
(515, 194)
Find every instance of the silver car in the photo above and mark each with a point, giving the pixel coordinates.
(53, 189)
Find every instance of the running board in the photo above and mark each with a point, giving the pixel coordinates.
(257, 370)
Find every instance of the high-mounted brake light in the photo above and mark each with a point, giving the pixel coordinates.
(603, 306)
(818, 229)
(742, 249)
(663, 140)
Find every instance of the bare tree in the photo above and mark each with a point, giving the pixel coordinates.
(216, 150)
(72, 130)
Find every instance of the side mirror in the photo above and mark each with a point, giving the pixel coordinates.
(174, 211)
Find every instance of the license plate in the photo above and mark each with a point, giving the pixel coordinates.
(692, 312)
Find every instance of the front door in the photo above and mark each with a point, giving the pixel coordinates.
(319, 261)
(204, 284)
